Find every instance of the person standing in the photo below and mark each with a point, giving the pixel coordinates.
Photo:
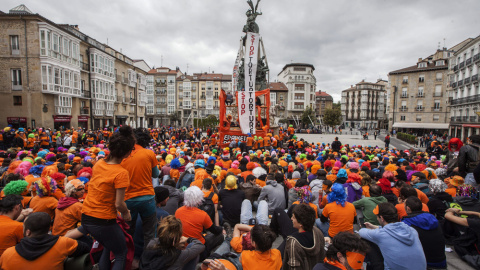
(336, 145)
(468, 159)
(106, 193)
(387, 140)
(375, 134)
(141, 165)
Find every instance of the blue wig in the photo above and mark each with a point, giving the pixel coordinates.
(83, 179)
(175, 164)
(337, 195)
(342, 173)
(211, 160)
(37, 170)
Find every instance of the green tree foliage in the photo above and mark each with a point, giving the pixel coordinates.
(175, 117)
(332, 117)
(308, 116)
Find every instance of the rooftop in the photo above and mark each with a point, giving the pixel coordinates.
(21, 9)
(297, 65)
(278, 87)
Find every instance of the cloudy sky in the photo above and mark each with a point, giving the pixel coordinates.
(346, 40)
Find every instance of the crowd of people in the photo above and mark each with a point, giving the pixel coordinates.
(172, 198)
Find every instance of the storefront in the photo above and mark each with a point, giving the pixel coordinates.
(62, 122)
(421, 128)
(83, 122)
(17, 122)
(121, 120)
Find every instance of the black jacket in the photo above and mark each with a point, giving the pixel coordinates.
(336, 146)
(467, 160)
(437, 205)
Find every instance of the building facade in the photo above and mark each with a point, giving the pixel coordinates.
(323, 101)
(464, 91)
(418, 100)
(58, 77)
(363, 105)
(278, 100)
(301, 84)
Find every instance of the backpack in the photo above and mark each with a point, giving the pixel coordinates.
(208, 206)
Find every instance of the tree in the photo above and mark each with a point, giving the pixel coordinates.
(336, 105)
(308, 116)
(175, 117)
(332, 117)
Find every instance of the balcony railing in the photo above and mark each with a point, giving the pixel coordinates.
(405, 82)
(438, 94)
(467, 80)
(132, 101)
(473, 119)
(455, 68)
(86, 94)
(460, 83)
(419, 109)
(475, 78)
(454, 84)
(476, 57)
(468, 62)
(462, 65)
(85, 110)
(420, 95)
(458, 119)
(470, 99)
(404, 109)
(465, 118)
(436, 109)
(60, 110)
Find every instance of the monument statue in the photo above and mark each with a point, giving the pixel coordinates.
(252, 13)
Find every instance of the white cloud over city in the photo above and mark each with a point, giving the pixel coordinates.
(345, 40)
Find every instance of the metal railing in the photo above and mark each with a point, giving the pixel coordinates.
(461, 65)
(475, 78)
(419, 108)
(476, 57)
(405, 82)
(468, 61)
(467, 80)
(84, 66)
(85, 110)
(404, 109)
(460, 83)
(474, 98)
(86, 94)
(436, 109)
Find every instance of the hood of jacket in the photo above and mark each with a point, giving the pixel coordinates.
(172, 191)
(443, 196)
(318, 243)
(425, 221)
(356, 186)
(65, 202)
(30, 248)
(402, 232)
(153, 259)
(464, 200)
(316, 184)
(273, 183)
(379, 199)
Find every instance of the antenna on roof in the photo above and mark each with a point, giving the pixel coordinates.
(439, 45)
(107, 40)
(161, 60)
(444, 43)
(187, 69)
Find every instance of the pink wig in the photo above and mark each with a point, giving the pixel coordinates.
(24, 168)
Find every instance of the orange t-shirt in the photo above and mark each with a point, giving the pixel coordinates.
(175, 174)
(44, 204)
(422, 196)
(228, 265)
(201, 174)
(366, 191)
(341, 218)
(58, 194)
(253, 259)
(52, 259)
(214, 197)
(249, 141)
(139, 165)
(194, 221)
(234, 171)
(106, 179)
(10, 234)
(66, 219)
(401, 210)
(226, 164)
(236, 244)
(396, 191)
(451, 191)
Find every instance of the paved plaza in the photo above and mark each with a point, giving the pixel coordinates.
(351, 139)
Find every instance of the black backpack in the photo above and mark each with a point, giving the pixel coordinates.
(208, 206)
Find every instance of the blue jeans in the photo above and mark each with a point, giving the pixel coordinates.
(323, 226)
(192, 263)
(470, 180)
(113, 240)
(262, 212)
(147, 212)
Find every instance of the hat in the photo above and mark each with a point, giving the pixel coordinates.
(161, 193)
(72, 187)
(296, 175)
(231, 182)
(200, 163)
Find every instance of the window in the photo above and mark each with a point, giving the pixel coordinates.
(16, 79)
(404, 92)
(439, 76)
(421, 78)
(405, 79)
(14, 44)
(273, 98)
(299, 87)
(436, 117)
(440, 63)
(419, 105)
(438, 90)
(404, 106)
(299, 96)
(420, 92)
(402, 117)
(17, 100)
(419, 118)
(422, 65)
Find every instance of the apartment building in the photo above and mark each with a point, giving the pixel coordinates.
(418, 100)
(464, 91)
(301, 84)
(323, 101)
(363, 105)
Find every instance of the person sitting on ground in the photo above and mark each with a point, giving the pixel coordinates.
(274, 194)
(231, 200)
(11, 231)
(69, 211)
(347, 251)
(405, 192)
(437, 205)
(429, 232)
(263, 257)
(44, 201)
(367, 204)
(398, 243)
(252, 190)
(304, 248)
(168, 250)
(207, 185)
(338, 215)
(195, 221)
(40, 250)
(175, 197)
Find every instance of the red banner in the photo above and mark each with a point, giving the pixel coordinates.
(82, 118)
(61, 118)
(16, 120)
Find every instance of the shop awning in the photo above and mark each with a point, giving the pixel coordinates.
(421, 125)
(471, 125)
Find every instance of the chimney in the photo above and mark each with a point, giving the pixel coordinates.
(419, 59)
(76, 27)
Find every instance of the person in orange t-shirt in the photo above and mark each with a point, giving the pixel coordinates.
(38, 249)
(263, 257)
(44, 201)
(195, 221)
(405, 192)
(69, 210)
(11, 231)
(106, 197)
(338, 211)
(140, 196)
